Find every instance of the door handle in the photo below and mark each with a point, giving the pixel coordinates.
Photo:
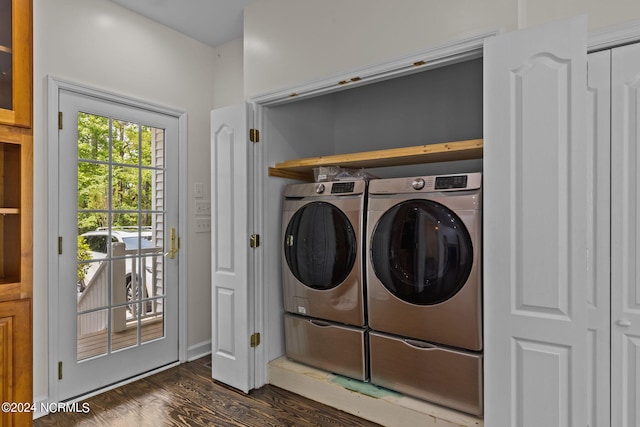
(420, 344)
(624, 323)
(174, 244)
(319, 323)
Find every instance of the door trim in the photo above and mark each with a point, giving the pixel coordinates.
(613, 36)
(53, 87)
(445, 54)
(433, 57)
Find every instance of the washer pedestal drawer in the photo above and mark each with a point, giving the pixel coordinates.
(329, 346)
(437, 374)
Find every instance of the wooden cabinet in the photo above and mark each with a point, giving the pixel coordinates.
(15, 360)
(16, 158)
(16, 62)
(16, 208)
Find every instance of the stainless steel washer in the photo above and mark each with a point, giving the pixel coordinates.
(325, 323)
(322, 246)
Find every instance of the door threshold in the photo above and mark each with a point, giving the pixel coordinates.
(364, 400)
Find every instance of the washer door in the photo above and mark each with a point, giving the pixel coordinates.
(421, 252)
(320, 245)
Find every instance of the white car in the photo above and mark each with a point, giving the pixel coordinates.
(98, 241)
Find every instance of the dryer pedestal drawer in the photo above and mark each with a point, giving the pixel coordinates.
(328, 346)
(417, 368)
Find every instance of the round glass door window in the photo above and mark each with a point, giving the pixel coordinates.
(320, 245)
(421, 252)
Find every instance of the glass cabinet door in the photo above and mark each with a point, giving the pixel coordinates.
(15, 63)
(6, 72)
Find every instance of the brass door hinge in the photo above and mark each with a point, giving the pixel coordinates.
(60, 120)
(254, 135)
(255, 339)
(254, 241)
(59, 245)
(60, 370)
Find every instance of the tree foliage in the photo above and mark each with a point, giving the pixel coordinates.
(112, 156)
(84, 254)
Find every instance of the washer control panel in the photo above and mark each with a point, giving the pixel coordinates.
(342, 187)
(326, 189)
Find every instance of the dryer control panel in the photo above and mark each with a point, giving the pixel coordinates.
(427, 184)
(450, 182)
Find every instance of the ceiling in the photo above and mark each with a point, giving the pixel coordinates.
(212, 22)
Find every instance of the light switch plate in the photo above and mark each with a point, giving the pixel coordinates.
(203, 207)
(198, 190)
(203, 225)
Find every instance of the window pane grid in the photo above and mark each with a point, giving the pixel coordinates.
(120, 224)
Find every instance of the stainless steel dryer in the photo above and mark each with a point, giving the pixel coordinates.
(322, 245)
(424, 254)
(424, 288)
(323, 227)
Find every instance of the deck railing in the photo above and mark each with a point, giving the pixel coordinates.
(93, 301)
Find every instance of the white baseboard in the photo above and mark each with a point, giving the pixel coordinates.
(198, 350)
(39, 402)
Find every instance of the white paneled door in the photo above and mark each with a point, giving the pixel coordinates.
(625, 236)
(598, 284)
(535, 225)
(232, 355)
(117, 299)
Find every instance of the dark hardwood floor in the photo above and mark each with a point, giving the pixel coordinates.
(187, 396)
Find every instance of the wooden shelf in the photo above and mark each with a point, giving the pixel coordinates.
(302, 169)
(9, 211)
(10, 280)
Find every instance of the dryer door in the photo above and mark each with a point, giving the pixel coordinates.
(320, 245)
(421, 252)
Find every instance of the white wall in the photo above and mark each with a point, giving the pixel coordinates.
(228, 75)
(98, 43)
(599, 13)
(289, 42)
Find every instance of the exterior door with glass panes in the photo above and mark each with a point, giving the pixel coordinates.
(118, 215)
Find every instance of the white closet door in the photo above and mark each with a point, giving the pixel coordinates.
(535, 221)
(232, 325)
(598, 150)
(625, 237)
